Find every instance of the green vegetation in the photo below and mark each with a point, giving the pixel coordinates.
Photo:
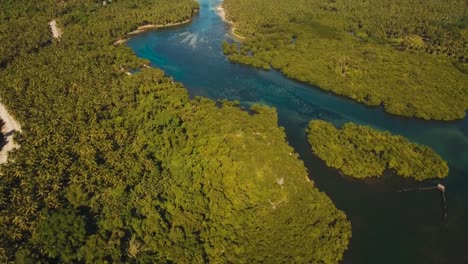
(409, 56)
(117, 169)
(361, 152)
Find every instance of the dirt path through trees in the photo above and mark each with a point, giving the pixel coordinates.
(11, 126)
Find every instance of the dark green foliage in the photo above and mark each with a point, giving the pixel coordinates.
(2, 136)
(60, 234)
(408, 56)
(116, 169)
(249, 198)
(229, 48)
(360, 151)
(23, 29)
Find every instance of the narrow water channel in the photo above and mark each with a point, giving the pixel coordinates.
(388, 226)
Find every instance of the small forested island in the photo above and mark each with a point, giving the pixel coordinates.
(120, 167)
(362, 152)
(411, 57)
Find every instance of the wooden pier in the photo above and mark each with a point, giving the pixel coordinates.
(441, 187)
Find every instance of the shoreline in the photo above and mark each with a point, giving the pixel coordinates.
(222, 14)
(233, 32)
(147, 27)
(11, 126)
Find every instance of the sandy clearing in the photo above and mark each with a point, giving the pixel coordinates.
(11, 126)
(56, 31)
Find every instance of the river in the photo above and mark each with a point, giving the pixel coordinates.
(388, 226)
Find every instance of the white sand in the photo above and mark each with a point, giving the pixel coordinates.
(10, 126)
(222, 13)
(148, 27)
(151, 26)
(56, 31)
(120, 41)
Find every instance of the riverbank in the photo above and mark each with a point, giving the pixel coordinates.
(151, 26)
(222, 13)
(144, 28)
(11, 126)
(414, 82)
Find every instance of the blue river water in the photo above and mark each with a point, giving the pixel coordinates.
(389, 226)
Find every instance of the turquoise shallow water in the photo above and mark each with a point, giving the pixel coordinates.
(388, 226)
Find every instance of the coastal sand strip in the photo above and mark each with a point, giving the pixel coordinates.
(148, 27)
(222, 13)
(151, 26)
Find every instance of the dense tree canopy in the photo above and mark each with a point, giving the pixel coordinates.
(360, 151)
(115, 168)
(409, 56)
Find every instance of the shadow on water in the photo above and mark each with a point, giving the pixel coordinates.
(388, 226)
